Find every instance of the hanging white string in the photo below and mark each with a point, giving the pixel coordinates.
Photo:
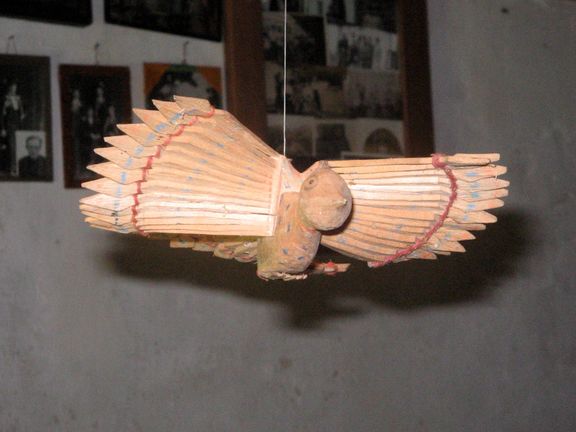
(285, 75)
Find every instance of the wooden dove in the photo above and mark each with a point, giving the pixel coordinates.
(194, 175)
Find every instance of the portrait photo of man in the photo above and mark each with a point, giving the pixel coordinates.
(32, 162)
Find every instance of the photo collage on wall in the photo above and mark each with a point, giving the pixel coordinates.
(343, 94)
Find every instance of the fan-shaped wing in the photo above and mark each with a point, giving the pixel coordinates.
(189, 169)
(416, 207)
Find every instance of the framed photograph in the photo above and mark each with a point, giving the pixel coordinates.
(94, 99)
(305, 39)
(25, 127)
(193, 18)
(163, 81)
(73, 12)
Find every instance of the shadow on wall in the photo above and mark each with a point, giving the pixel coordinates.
(460, 278)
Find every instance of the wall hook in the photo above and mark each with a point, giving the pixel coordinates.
(97, 53)
(185, 52)
(11, 42)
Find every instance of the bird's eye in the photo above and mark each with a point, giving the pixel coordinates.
(311, 182)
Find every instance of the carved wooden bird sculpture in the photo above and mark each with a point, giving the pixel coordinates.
(194, 175)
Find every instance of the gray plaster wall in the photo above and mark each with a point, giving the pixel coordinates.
(106, 333)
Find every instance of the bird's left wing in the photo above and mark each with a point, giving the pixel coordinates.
(189, 169)
(409, 208)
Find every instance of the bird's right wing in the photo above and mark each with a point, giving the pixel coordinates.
(408, 208)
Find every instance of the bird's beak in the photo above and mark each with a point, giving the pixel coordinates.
(340, 202)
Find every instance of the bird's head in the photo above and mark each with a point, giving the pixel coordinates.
(325, 200)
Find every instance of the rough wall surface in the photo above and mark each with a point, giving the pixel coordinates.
(100, 333)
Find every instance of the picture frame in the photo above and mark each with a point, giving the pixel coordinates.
(71, 12)
(195, 18)
(245, 68)
(94, 99)
(162, 81)
(25, 119)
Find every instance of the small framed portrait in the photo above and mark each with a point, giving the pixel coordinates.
(163, 81)
(194, 18)
(94, 100)
(25, 128)
(73, 12)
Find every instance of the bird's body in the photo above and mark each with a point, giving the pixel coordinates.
(195, 176)
(292, 247)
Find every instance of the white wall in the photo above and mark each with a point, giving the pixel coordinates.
(103, 332)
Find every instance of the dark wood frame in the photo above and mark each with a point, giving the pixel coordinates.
(246, 94)
(65, 71)
(190, 33)
(41, 64)
(80, 15)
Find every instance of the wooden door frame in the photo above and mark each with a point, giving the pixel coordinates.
(245, 80)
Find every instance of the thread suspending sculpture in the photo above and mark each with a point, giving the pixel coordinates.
(195, 176)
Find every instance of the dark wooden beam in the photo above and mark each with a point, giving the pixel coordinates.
(415, 72)
(244, 57)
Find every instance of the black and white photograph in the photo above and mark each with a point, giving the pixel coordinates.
(299, 135)
(360, 47)
(373, 94)
(310, 90)
(340, 11)
(305, 39)
(164, 81)
(375, 138)
(94, 100)
(378, 14)
(331, 140)
(306, 7)
(31, 155)
(25, 127)
(195, 18)
(72, 12)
